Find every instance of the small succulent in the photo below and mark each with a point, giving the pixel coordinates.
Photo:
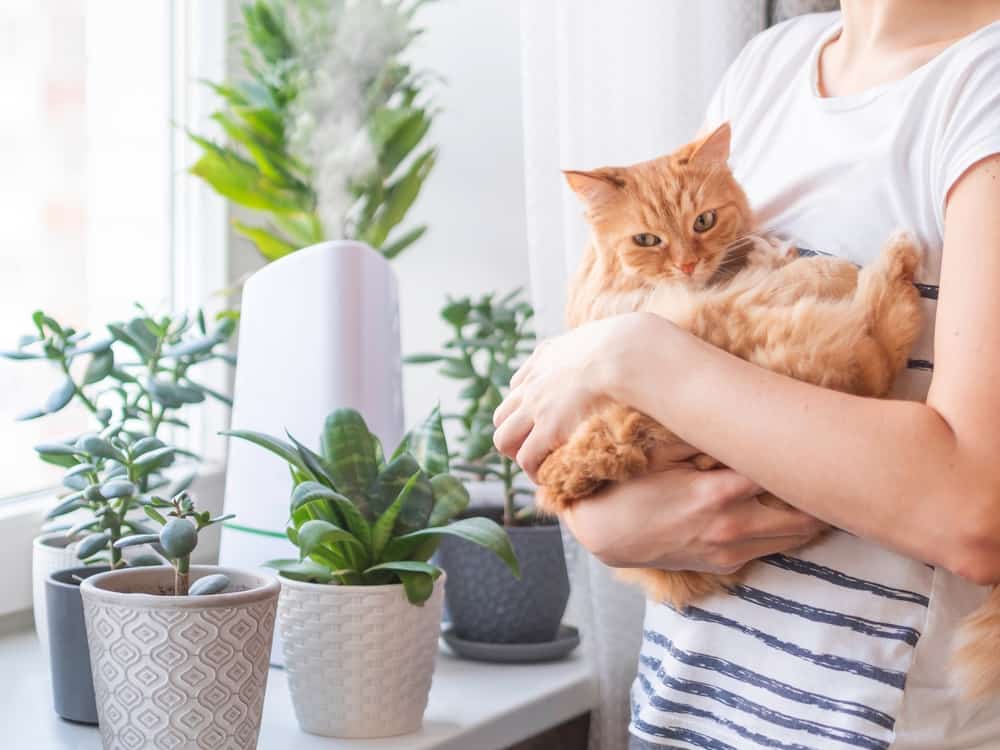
(134, 380)
(490, 338)
(363, 520)
(177, 538)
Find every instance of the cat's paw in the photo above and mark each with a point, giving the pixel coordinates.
(903, 255)
(550, 502)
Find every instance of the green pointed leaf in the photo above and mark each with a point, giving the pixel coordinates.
(278, 447)
(307, 571)
(383, 527)
(392, 249)
(318, 466)
(349, 451)
(389, 484)
(308, 491)
(268, 244)
(429, 445)
(313, 535)
(480, 531)
(60, 396)
(407, 566)
(154, 514)
(450, 498)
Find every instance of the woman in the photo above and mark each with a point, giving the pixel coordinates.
(845, 128)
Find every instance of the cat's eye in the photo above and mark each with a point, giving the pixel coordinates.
(705, 221)
(646, 240)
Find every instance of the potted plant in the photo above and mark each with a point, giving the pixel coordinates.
(360, 608)
(492, 615)
(325, 150)
(179, 651)
(133, 381)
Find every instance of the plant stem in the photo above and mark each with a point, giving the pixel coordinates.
(181, 567)
(509, 518)
(91, 407)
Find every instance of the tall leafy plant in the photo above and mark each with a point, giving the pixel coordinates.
(360, 519)
(490, 337)
(135, 379)
(324, 135)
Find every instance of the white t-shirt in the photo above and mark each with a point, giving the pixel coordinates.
(842, 644)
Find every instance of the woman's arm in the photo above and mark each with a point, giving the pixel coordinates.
(923, 478)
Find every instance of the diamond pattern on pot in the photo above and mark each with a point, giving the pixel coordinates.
(359, 660)
(184, 678)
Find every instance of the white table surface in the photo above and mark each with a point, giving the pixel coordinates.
(473, 706)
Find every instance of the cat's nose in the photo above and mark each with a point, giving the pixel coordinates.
(687, 268)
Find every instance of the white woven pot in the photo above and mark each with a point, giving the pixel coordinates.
(179, 672)
(50, 553)
(359, 658)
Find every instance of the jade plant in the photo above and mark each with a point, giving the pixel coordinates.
(324, 129)
(489, 339)
(177, 538)
(134, 381)
(360, 519)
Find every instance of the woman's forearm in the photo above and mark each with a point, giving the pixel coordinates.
(893, 471)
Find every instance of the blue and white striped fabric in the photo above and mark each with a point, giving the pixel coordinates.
(811, 652)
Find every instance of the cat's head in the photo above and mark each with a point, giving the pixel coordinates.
(672, 218)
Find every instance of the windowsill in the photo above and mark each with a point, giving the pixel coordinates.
(472, 705)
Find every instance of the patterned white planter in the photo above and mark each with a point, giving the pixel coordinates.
(179, 672)
(359, 658)
(50, 553)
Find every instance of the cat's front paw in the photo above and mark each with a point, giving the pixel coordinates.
(550, 502)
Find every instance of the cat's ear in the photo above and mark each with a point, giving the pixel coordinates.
(714, 147)
(596, 186)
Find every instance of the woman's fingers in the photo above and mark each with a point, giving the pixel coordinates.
(510, 435)
(533, 452)
(507, 407)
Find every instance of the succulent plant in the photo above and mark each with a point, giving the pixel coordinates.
(177, 538)
(490, 338)
(324, 132)
(360, 519)
(134, 381)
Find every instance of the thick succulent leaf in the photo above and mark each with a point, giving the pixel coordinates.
(93, 544)
(68, 504)
(99, 367)
(137, 539)
(118, 488)
(278, 447)
(61, 396)
(429, 445)
(75, 482)
(154, 459)
(349, 450)
(450, 498)
(146, 560)
(351, 516)
(56, 449)
(383, 527)
(100, 448)
(313, 535)
(481, 531)
(212, 584)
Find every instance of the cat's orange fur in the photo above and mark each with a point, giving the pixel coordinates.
(817, 319)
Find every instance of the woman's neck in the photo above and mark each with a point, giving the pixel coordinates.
(884, 40)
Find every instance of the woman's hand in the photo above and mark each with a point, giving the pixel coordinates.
(684, 519)
(564, 381)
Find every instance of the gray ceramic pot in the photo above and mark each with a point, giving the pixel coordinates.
(487, 604)
(72, 684)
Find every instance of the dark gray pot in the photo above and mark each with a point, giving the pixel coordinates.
(72, 683)
(487, 604)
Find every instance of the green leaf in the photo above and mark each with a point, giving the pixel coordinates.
(268, 244)
(136, 539)
(399, 196)
(278, 447)
(307, 571)
(30, 414)
(155, 459)
(349, 450)
(404, 139)
(383, 527)
(315, 463)
(100, 448)
(418, 586)
(393, 249)
(475, 389)
(480, 531)
(458, 368)
(68, 504)
(242, 182)
(407, 566)
(92, 544)
(209, 392)
(353, 520)
(200, 345)
(118, 488)
(457, 311)
(154, 514)
(99, 367)
(390, 483)
(60, 396)
(422, 359)
(313, 535)
(429, 445)
(450, 498)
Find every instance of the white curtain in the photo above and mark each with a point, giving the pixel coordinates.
(609, 82)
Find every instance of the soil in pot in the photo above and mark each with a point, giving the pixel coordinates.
(179, 671)
(487, 604)
(72, 683)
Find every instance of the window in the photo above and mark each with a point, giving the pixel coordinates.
(98, 210)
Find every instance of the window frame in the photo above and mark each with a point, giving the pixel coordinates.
(198, 260)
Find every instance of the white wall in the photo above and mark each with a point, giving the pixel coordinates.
(474, 200)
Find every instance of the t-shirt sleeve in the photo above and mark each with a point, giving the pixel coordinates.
(970, 127)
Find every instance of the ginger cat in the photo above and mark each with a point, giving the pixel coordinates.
(674, 236)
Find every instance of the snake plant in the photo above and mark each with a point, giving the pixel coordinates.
(361, 519)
